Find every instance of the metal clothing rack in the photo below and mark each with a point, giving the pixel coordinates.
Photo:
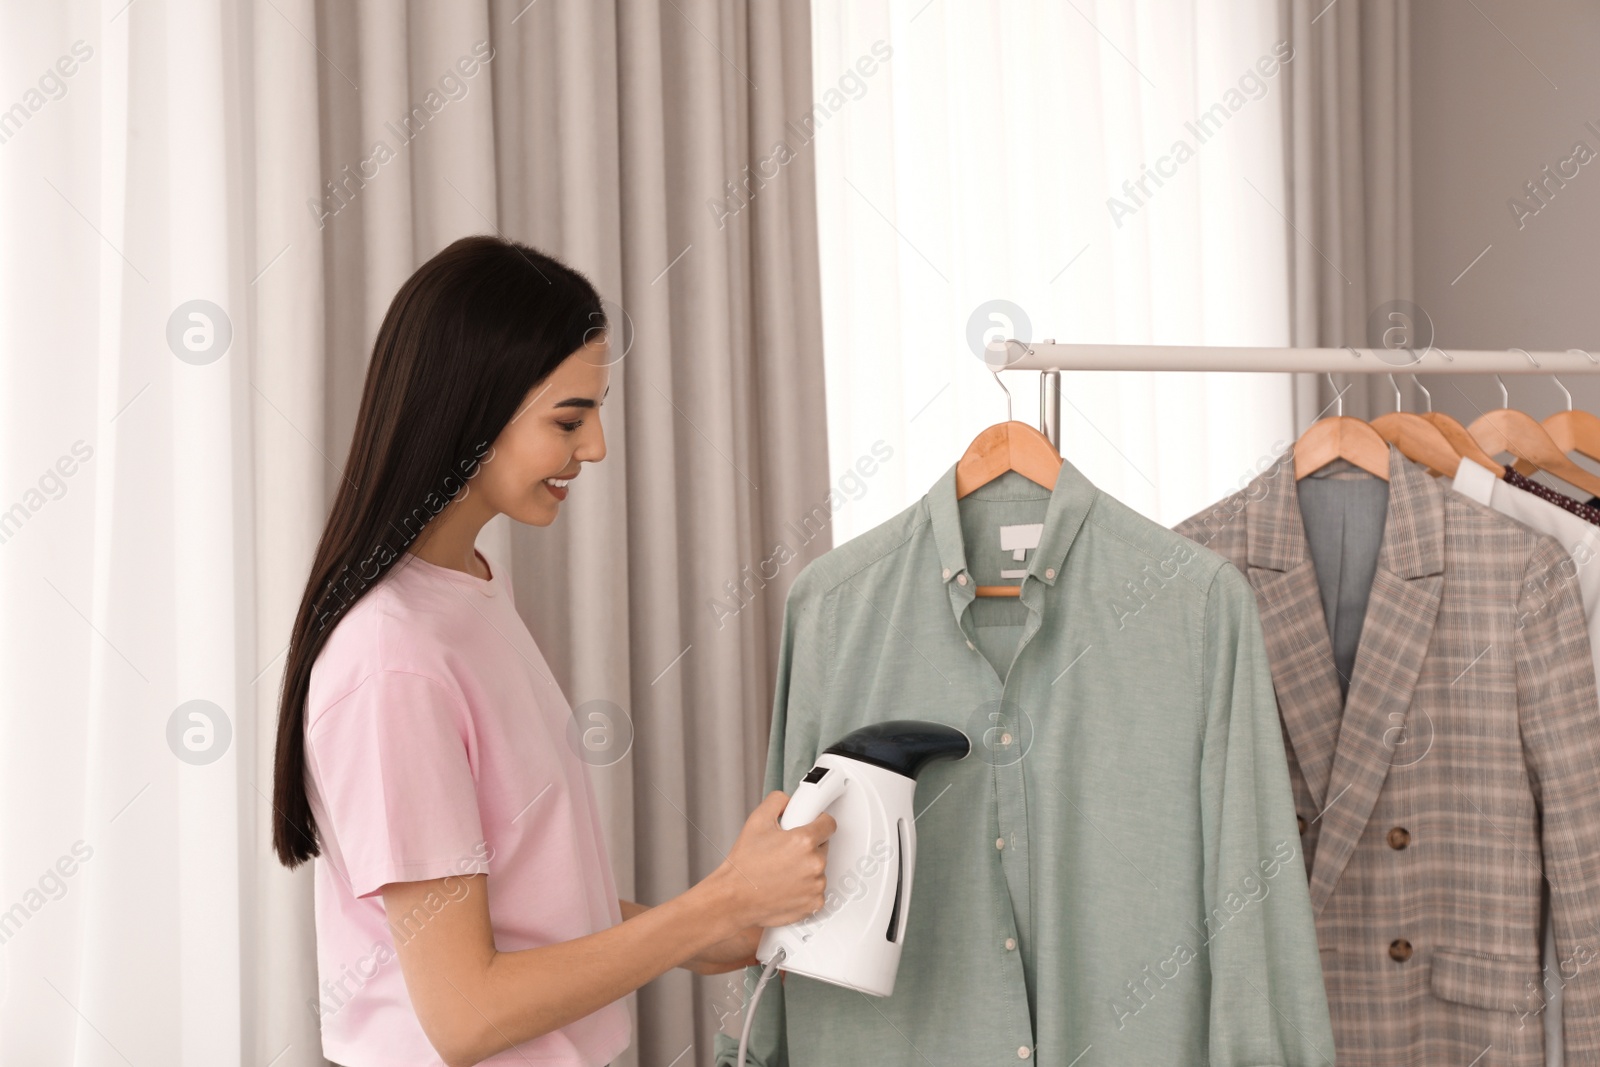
(1051, 358)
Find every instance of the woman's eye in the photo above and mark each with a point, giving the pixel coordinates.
(570, 426)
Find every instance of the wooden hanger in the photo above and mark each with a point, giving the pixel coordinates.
(1456, 434)
(1341, 437)
(1417, 439)
(1574, 431)
(1007, 446)
(1517, 432)
(1464, 443)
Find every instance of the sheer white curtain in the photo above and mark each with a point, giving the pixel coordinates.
(166, 466)
(969, 153)
(128, 654)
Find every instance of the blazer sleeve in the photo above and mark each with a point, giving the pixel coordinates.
(1267, 1005)
(1560, 720)
(804, 651)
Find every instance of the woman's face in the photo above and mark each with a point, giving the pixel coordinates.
(556, 429)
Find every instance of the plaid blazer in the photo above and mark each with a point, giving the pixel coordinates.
(1462, 769)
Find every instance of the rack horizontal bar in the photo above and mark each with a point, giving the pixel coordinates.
(1049, 355)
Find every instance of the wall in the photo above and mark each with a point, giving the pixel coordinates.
(1500, 90)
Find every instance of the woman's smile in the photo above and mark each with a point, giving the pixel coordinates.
(557, 486)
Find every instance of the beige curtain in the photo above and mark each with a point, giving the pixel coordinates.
(607, 134)
(289, 163)
(1348, 146)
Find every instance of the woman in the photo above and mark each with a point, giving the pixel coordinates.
(465, 908)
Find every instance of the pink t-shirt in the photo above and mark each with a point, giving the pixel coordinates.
(437, 744)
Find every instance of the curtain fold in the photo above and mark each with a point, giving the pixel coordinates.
(1348, 154)
(290, 163)
(294, 469)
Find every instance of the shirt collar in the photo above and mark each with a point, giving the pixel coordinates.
(1474, 481)
(1070, 500)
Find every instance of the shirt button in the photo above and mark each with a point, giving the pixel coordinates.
(1399, 838)
(1011, 944)
(961, 579)
(945, 574)
(1023, 1053)
(999, 842)
(1050, 572)
(1400, 950)
(1005, 739)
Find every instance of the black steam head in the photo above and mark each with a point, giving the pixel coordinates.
(903, 745)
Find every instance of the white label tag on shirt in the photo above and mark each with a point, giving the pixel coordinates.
(1018, 539)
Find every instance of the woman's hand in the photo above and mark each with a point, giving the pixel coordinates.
(773, 876)
(729, 954)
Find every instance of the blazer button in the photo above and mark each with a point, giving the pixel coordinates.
(1400, 950)
(1399, 838)
(1301, 819)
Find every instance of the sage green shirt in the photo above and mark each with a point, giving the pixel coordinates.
(1113, 876)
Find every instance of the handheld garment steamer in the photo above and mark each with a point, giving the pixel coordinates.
(866, 780)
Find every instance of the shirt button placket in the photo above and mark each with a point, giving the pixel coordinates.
(1011, 850)
(1010, 843)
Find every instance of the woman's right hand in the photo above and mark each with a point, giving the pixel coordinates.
(776, 876)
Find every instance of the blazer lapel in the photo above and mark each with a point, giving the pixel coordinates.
(1280, 570)
(1394, 639)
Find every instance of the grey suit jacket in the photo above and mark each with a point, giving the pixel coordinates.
(1462, 769)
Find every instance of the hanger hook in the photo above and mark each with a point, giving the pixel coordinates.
(1338, 397)
(1398, 407)
(1525, 352)
(1418, 383)
(1505, 394)
(1564, 389)
(1585, 354)
(996, 372)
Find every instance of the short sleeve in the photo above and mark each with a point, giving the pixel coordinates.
(391, 767)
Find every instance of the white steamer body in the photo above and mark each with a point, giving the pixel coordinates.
(856, 937)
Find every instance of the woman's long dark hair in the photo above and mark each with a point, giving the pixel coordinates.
(465, 339)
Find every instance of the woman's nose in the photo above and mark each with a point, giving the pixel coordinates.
(593, 449)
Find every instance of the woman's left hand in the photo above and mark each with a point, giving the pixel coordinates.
(729, 954)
